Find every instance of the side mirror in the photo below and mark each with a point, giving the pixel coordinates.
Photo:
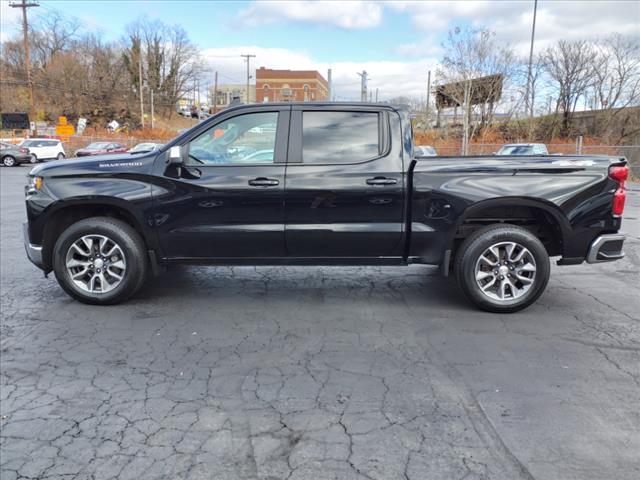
(175, 155)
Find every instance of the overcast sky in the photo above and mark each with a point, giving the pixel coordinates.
(397, 42)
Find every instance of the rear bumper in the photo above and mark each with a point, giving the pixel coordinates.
(606, 248)
(34, 252)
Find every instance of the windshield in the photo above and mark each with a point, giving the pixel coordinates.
(28, 143)
(97, 146)
(516, 150)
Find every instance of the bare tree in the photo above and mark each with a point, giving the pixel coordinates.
(51, 34)
(168, 58)
(536, 79)
(617, 80)
(571, 68)
(471, 54)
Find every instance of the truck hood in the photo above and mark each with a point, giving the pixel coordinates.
(97, 165)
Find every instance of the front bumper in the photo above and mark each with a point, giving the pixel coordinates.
(34, 252)
(606, 248)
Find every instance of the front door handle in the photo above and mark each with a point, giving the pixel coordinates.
(264, 182)
(381, 181)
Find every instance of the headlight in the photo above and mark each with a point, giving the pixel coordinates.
(35, 183)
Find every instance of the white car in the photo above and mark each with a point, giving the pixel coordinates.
(44, 149)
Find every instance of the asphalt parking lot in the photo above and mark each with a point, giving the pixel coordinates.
(317, 373)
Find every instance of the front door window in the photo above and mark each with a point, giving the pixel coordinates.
(243, 140)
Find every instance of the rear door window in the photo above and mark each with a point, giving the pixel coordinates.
(340, 137)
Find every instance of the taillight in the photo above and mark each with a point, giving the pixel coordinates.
(618, 201)
(620, 175)
(24, 150)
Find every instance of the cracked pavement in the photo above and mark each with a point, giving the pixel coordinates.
(317, 373)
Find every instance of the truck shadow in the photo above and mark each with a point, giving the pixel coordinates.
(413, 286)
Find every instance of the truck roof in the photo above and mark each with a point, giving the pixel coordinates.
(329, 105)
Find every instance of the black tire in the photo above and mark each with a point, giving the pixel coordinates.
(476, 244)
(128, 240)
(60, 156)
(33, 158)
(9, 161)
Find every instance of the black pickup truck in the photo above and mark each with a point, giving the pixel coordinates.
(321, 184)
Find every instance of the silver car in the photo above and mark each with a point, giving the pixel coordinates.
(424, 151)
(523, 149)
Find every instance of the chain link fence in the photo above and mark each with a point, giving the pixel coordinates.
(631, 152)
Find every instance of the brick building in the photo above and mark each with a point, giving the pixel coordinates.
(290, 86)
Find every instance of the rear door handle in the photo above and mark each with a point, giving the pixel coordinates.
(381, 181)
(264, 182)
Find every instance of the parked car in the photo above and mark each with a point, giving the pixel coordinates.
(259, 156)
(12, 155)
(146, 147)
(424, 151)
(44, 149)
(342, 188)
(523, 149)
(101, 148)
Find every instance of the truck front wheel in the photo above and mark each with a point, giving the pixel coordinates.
(502, 268)
(100, 261)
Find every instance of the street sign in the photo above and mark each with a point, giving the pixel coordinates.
(82, 124)
(14, 121)
(65, 130)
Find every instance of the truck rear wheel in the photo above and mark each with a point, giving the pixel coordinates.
(502, 268)
(100, 261)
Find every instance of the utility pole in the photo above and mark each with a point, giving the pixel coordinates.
(329, 81)
(426, 113)
(215, 92)
(363, 86)
(248, 59)
(376, 94)
(152, 108)
(27, 54)
(140, 86)
(529, 105)
(466, 118)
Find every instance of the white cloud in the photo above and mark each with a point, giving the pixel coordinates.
(392, 78)
(511, 20)
(347, 14)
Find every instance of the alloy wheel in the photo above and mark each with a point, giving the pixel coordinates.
(505, 271)
(96, 264)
